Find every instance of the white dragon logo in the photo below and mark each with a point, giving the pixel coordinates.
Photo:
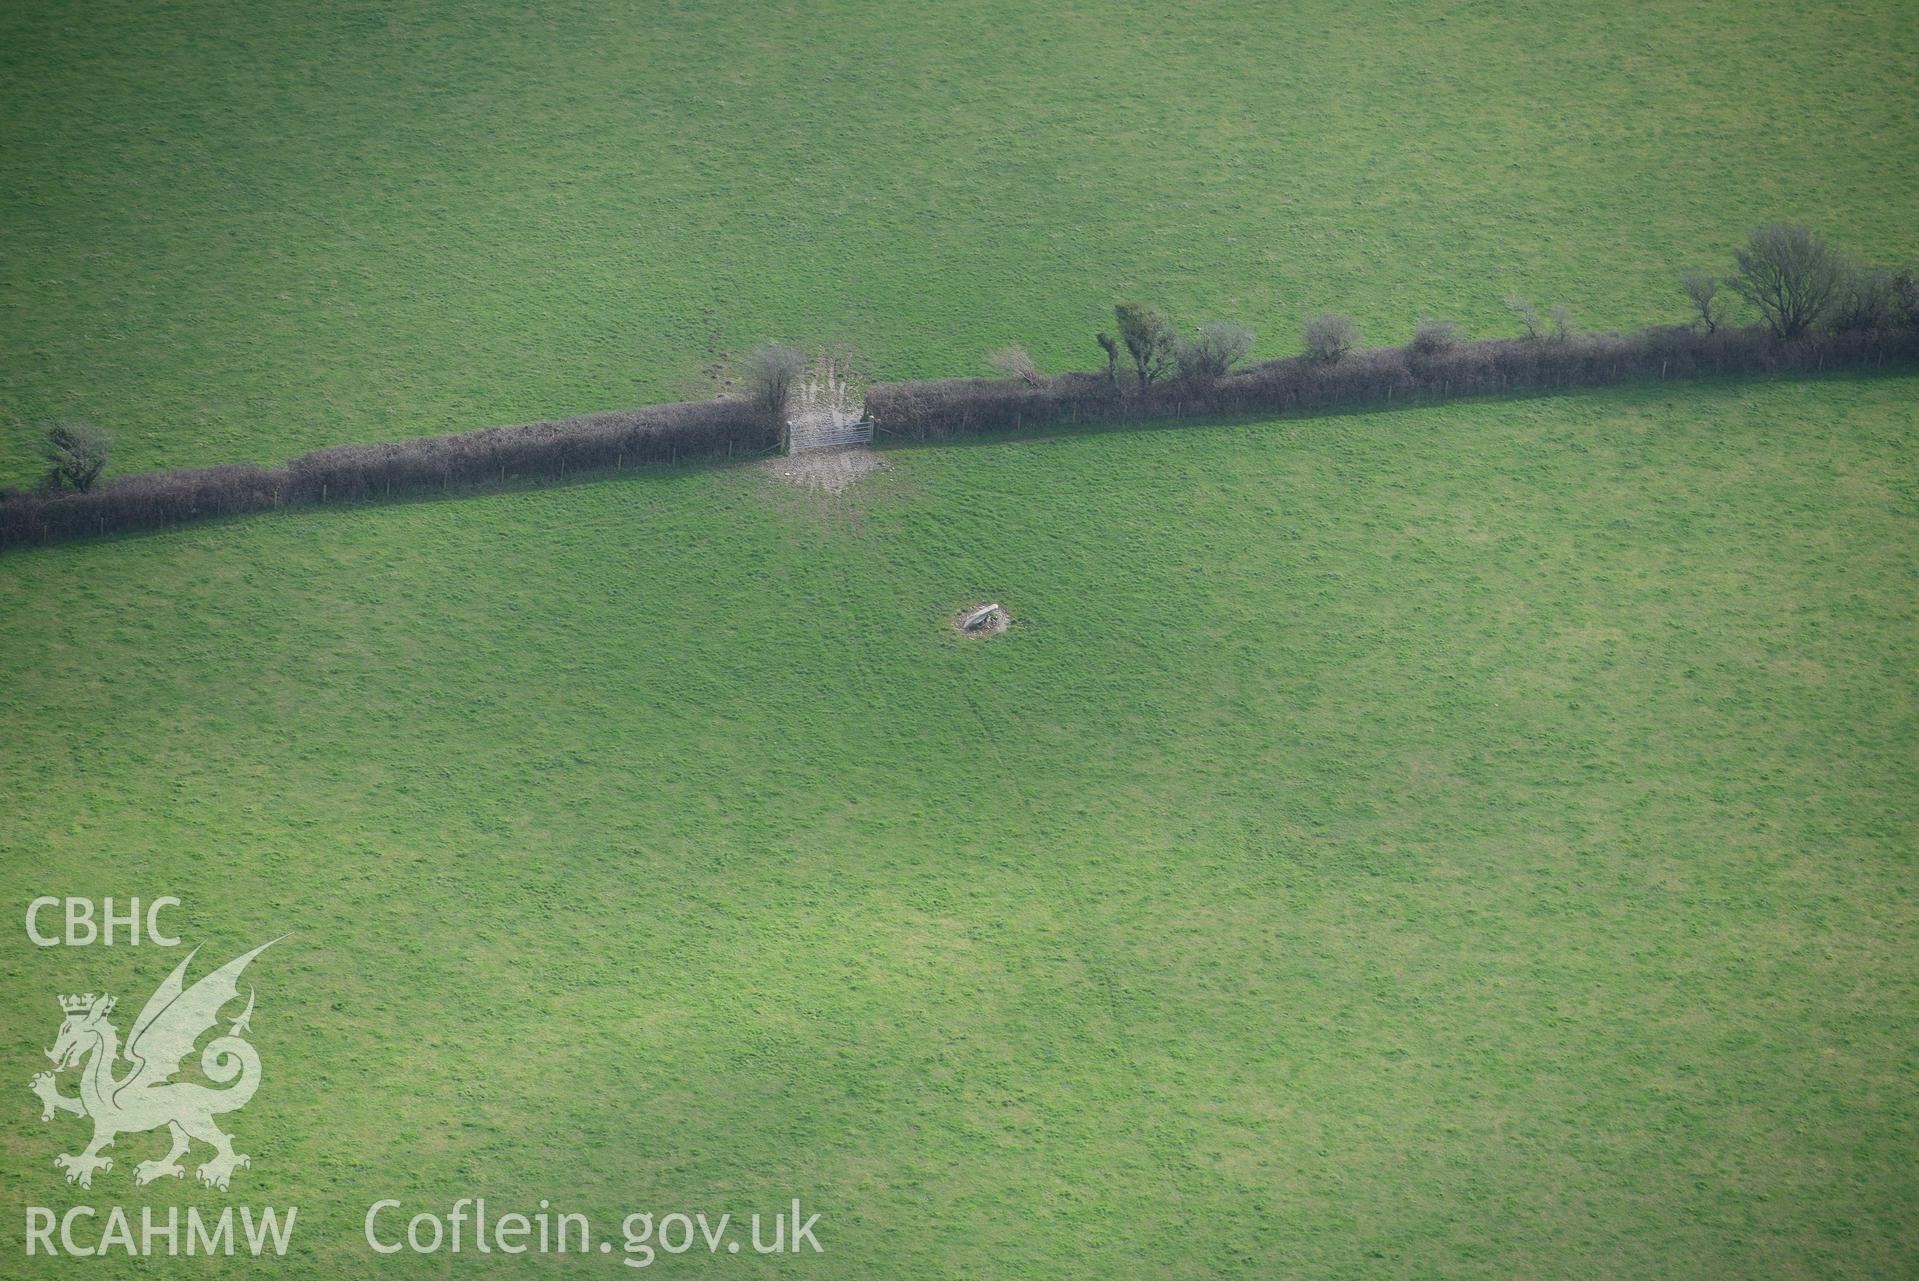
(146, 1097)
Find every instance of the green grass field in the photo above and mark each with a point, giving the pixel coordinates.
(1471, 841)
(267, 228)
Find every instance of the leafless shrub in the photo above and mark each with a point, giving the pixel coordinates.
(76, 454)
(1434, 337)
(1527, 315)
(1213, 351)
(1790, 275)
(1562, 322)
(1014, 363)
(1704, 293)
(1328, 336)
(772, 372)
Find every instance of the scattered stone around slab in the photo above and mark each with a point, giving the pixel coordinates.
(982, 620)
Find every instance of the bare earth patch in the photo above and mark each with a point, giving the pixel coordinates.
(828, 470)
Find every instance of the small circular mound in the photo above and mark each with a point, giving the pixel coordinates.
(982, 620)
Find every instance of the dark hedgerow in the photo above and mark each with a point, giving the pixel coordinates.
(428, 464)
(944, 408)
(937, 410)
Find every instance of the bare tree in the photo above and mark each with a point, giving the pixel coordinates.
(1149, 337)
(1562, 318)
(76, 454)
(1703, 292)
(1527, 315)
(1329, 336)
(1014, 363)
(1214, 350)
(1790, 275)
(772, 372)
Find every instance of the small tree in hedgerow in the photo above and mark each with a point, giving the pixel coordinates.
(76, 454)
(1213, 351)
(1527, 315)
(1329, 336)
(1433, 337)
(1016, 364)
(1708, 300)
(1790, 275)
(772, 372)
(1149, 337)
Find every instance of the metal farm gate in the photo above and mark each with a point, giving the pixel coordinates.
(826, 416)
(814, 433)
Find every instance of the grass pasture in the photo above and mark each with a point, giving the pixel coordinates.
(1467, 841)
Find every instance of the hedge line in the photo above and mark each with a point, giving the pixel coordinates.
(1381, 376)
(931, 410)
(426, 464)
